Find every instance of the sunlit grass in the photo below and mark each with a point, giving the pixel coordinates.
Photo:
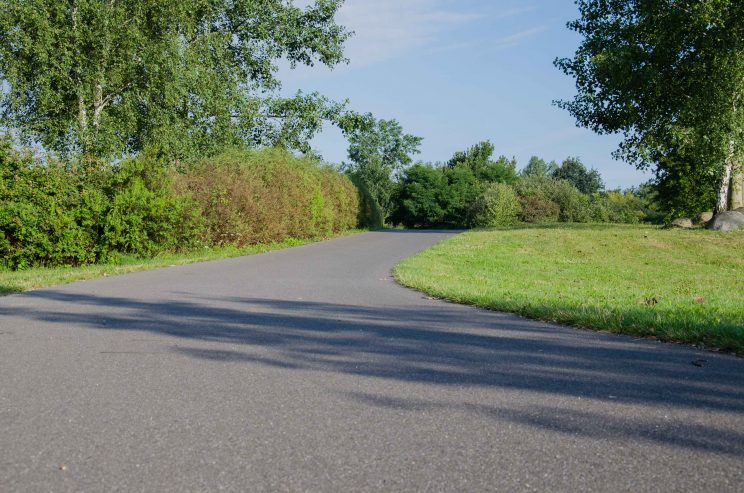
(676, 285)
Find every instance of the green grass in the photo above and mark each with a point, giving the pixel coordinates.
(675, 285)
(24, 280)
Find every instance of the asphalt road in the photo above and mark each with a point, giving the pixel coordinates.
(309, 369)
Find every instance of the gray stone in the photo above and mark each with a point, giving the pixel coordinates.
(682, 222)
(727, 221)
(703, 218)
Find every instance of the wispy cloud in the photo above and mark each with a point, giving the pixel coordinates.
(386, 29)
(518, 37)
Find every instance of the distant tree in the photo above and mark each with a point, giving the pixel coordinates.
(377, 154)
(669, 76)
(478, 159)
(573, 171)
(421, 196)
(107, 78)
(538, 167)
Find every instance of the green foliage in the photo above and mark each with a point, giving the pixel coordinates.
(573, 205)
(617, 206)
(461, 190)
(670, 77)
(49, 215)
(421, 197)
(57, 214)
(269, 195)
(496, 206)
(538, 167)
(181, 79)
(684, 190)
(436, 197)
(573, 171)
(478, 160)
(145, 216)
(378, 153)
(538, 209)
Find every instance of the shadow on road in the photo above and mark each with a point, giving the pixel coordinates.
(442, 345)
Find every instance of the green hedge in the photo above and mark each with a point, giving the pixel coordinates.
(54, 213)
(269, 195)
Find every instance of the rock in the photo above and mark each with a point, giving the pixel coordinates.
(740, 209)
(682, 222)
(703, 218)
(727, 221)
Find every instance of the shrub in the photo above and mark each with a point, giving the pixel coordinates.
(461, 190)
(49, 213)
(536, 209)
(419, 197)
(574, 206)
(269, 195)
(146, 217)
(496, 206)
(618, 207)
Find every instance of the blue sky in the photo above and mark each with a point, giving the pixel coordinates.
(456, 72)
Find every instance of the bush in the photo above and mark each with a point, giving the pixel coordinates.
(573, 205)
(71, 214)
(146, 217)
(496, 206)
(420, 197)
(461, 190)
(49, 213)
(269, 195)
(536, 209)
(618, 207)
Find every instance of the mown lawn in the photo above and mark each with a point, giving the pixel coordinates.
(675, 285)
(18, 281)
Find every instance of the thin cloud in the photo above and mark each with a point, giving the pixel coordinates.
(386, 29)
(516, 38)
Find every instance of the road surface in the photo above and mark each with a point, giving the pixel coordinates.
(309, 369)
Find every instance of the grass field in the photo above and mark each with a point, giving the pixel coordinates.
(675, 285)
(18, 281)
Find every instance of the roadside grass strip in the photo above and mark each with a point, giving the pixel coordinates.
(684, 286)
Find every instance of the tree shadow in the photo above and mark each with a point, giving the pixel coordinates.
(438, 344)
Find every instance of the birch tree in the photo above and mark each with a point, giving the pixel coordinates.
(111, 77)
(669, 76)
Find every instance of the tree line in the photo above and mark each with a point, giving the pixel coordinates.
(91, 84)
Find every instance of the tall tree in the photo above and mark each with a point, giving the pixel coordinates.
(669, 76)
(377, 155)
(110, 77)
(538, 167)
(573, 171)
(479, 159)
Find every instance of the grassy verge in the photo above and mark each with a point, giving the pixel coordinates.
(675, 285)
(18, 281)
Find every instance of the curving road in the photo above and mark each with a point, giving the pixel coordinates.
(309, 369)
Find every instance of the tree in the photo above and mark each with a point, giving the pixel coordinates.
(378, 152)
(420, 197)
(478, 159)
(669, 76)
(107, 78)
(573, 171)
(538, 167)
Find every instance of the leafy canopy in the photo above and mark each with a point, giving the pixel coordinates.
(668, 75)
(108, 78)
(573, 171)
(378, 153)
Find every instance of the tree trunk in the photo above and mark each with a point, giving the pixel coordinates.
(724, 192)
(737, 190)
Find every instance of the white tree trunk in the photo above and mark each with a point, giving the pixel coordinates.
(724, 192)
